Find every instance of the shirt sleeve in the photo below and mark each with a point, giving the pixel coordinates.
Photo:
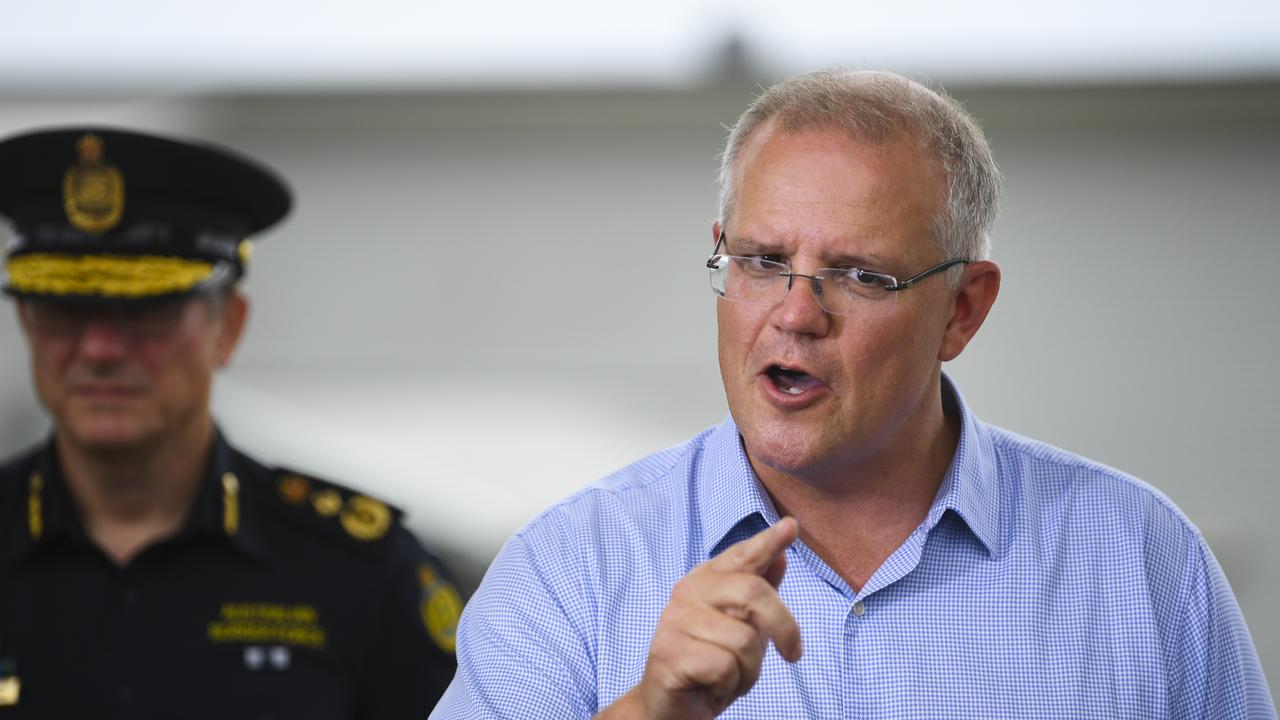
(1216, 672)
(525, 642)
(411, 659)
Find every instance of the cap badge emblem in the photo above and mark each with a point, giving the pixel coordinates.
(93, 189)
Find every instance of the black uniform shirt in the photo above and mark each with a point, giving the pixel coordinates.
(282, 597)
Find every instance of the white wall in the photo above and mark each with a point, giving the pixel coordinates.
(486, 300)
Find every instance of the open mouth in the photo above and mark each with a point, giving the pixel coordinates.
(791, 382)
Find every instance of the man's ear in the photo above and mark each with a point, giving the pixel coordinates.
(979, 286)
(231, 323)
(715, 232)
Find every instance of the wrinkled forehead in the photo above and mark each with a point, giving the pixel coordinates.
(819, 184)
(898, 158)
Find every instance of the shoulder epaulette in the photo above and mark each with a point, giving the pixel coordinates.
(328, 504)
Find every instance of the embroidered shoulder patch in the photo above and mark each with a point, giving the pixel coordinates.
(440, 608)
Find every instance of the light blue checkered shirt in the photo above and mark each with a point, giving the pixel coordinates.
(1040, 585)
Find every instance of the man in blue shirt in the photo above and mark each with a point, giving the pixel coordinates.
(852, 541)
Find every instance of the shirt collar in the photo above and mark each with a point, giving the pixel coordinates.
(728, 493)
(50, 511)
(227, 506)
(222, 507)
(971, 487)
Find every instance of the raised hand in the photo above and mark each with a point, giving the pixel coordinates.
(711, 638)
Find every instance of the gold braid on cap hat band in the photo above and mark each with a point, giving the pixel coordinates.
(110, 275)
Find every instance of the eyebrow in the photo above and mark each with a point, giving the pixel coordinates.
(748, 245)
(865, 262)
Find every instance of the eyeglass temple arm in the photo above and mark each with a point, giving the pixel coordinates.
(944, 265)
(715, 253)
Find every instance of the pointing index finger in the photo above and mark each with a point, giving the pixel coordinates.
(758, 553)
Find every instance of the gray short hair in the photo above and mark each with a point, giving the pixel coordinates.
(876, 107)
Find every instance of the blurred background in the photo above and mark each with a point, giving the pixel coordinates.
(491, 291)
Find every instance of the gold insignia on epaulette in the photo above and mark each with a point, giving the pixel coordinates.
(365, 518)
(426, 575)
(92, 189)
(326, 502)
(35, 506)
(440, 608)
(230, 503)
(294, 489)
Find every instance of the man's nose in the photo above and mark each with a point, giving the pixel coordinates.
(104, 339)
(800, 310)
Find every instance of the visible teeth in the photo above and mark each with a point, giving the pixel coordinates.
(791, 382)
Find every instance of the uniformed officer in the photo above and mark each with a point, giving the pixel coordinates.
(147, 568)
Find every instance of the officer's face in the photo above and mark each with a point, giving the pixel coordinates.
(122, 379)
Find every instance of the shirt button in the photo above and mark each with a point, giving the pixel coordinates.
(131, 597)
(124, 695)
(859, 609)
